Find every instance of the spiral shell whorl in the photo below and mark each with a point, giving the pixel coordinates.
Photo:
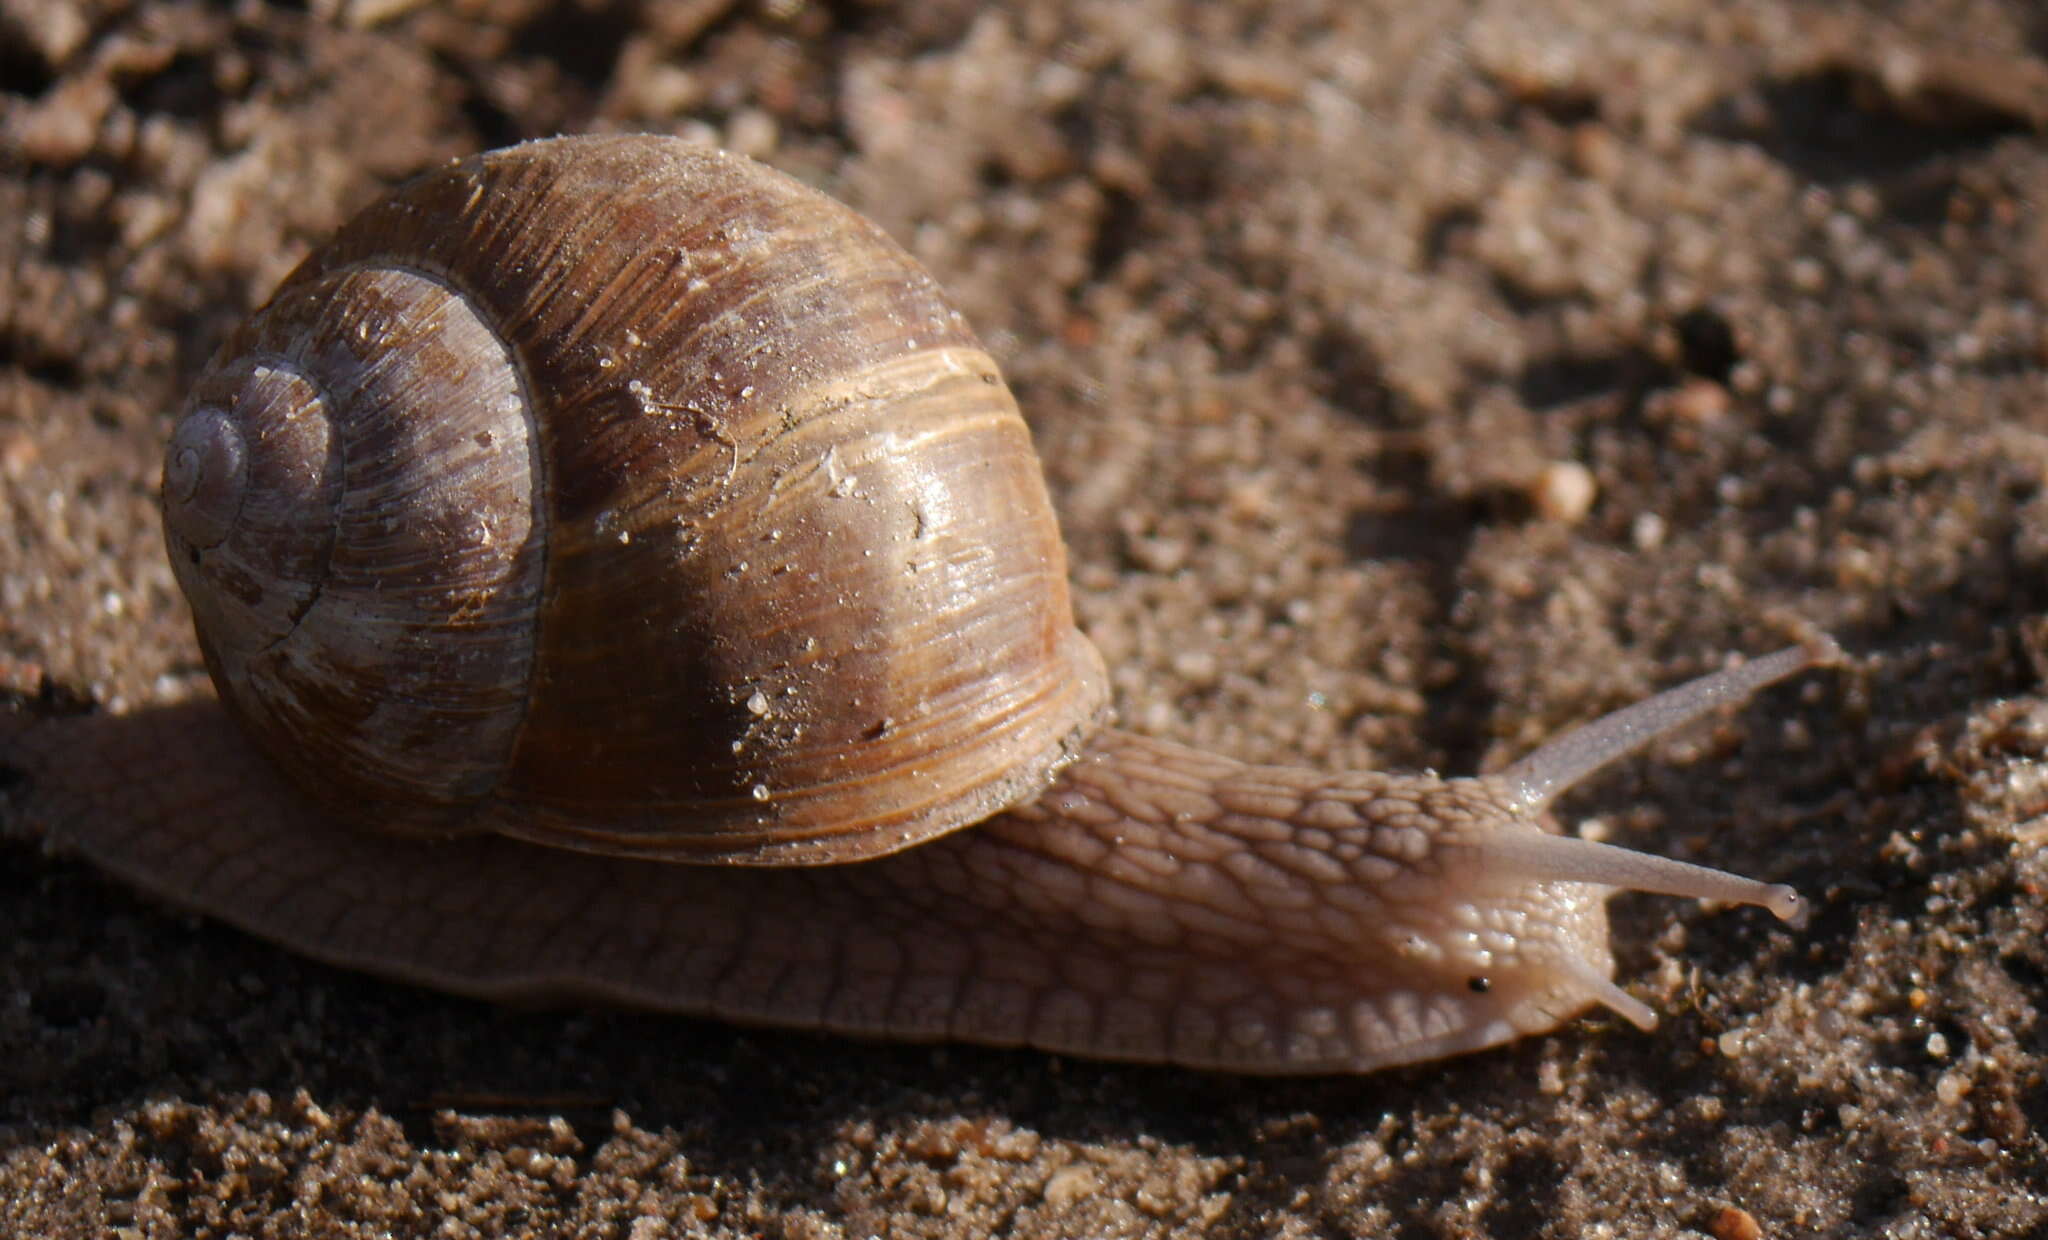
(206, 477)
(356, 473)
(752, 557)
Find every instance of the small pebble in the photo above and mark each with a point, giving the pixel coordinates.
(1069, 1185)
(1564, 492)
(1735, 1223)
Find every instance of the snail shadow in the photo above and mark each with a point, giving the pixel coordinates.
(182, 1026)
(139, 1012)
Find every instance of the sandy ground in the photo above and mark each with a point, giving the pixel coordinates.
(1414, 380)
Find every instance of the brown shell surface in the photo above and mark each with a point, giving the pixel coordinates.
(802, 596)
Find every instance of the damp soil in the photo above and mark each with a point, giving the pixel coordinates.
(1413, 380)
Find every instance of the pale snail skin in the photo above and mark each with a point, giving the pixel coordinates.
(1040, 879)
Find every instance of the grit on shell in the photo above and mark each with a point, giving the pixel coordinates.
(1414, 380)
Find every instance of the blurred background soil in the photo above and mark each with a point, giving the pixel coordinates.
(1414, 381)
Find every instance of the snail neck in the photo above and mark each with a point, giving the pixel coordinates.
(1371, 829)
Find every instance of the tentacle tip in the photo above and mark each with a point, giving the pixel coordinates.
(1787, 905)
(1604, 991)
(1822, 650)
(1639, 1014)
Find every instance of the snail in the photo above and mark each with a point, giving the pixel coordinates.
(623, 576)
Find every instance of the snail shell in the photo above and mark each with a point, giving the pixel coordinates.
(623, 494)
(601, 503)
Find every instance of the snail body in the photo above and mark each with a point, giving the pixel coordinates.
(638, 584)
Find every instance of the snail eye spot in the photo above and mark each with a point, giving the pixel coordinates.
(1479, 985)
